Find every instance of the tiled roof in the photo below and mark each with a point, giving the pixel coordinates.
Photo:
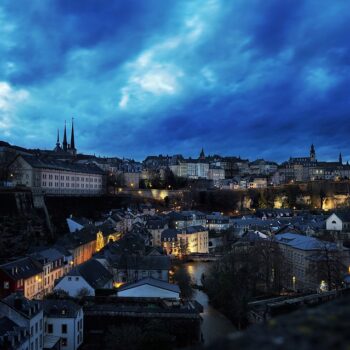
(152, 282)
(25, 307)
(343, 215)
(60, 308)
(93, 272)
(148, 262)
(304, 242)
(22, 268)
(49, 254)
(51, 163)
(169, 233)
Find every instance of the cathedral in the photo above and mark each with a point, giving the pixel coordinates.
(66, 147)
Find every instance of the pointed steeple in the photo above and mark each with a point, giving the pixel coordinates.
(340, 159)
(72, 141)
(58, 146)
(58, 138)
(64, 143)
(202, 155)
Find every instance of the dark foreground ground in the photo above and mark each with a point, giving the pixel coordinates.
(323, 327)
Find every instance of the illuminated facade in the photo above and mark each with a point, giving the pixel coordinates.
(23, 275)
(190, 240)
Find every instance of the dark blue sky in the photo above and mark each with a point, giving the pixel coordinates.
(239, 77)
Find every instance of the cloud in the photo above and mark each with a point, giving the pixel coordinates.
(243, 78)
(9, 100)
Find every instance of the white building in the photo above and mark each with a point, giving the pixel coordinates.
(86, 278)
(64, 319)
(28, 314)
(150, 288)
(51, 176)
(191, 168)
(338, 222)
(216, 174)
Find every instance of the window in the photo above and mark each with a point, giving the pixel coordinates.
(64, 328)
(50, 328)
(6, 285)
(64, 342)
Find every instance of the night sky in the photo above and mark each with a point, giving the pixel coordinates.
(255, 78)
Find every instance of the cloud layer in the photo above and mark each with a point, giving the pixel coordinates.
(251, 78)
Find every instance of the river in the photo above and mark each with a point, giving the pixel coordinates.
(215, 325)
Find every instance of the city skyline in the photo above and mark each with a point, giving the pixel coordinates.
(258, 80)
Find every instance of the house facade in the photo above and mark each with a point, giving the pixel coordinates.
(57, 177)
(64, 319)
(24, 275)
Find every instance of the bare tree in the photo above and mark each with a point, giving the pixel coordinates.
(327, 266)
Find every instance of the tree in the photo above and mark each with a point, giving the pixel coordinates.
(182, 247)
(327, 268)
(183, 279)
(83, 292)
(57, 294)
(242, 273)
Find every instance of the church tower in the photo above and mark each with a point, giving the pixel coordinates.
(312, 153)
(58, 145)
(202, 155)
(64, 143)
(72, 148)
(340, 159)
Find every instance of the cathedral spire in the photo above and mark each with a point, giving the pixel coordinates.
(58, 138)
(312, 153)
(72, 141)
(202, 155)
(340, 159)
(65, 145)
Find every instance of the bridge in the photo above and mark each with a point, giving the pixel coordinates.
(203, 257)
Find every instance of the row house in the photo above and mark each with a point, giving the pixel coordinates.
(24, 275)
(51, 324)
(190, 240)
(262, 167)
(52, 261)
(216, 174)
(89, 240)
(156, 227)
(27, 314)
(217, 222)
(12, 336)
(64, 320)
(187, 218)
